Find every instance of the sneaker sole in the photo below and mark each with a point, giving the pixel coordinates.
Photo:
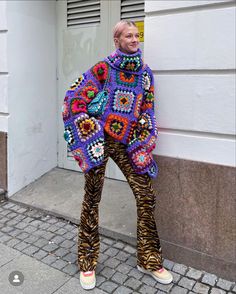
(88, 287)
(154, 276)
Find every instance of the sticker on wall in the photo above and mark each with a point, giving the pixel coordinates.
(140, 25)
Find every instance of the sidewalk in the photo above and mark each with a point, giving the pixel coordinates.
(44, 249)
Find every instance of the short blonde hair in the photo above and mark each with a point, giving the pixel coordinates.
(118, 28)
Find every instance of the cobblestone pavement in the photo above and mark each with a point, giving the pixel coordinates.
(53, 241)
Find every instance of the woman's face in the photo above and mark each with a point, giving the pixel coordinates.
(128, 42)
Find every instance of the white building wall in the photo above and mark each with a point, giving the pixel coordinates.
(190, 46)
(32, 97)
(3, 69)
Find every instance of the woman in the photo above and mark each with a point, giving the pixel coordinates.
(118, 122)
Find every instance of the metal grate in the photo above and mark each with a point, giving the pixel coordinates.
(132, 9)
(80, 12)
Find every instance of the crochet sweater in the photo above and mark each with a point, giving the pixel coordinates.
(128, 116)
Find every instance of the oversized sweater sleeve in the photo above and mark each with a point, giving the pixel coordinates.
(146, 129)
(83, 133)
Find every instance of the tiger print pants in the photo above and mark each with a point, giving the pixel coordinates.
(149, 252)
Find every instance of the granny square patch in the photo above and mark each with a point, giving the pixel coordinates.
(68, 135)
(100, 71)
(78, 105)
(81, 158)
(96, 150)
(123, 101)
(141, 158)
(145, 121)
(88, 92)
(138, 105)
(65, 110)
(116, 126)
(131, 63)
(126, 79)
(77, 82)
(86, 127)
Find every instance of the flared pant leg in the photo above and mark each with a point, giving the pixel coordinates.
(149, 253)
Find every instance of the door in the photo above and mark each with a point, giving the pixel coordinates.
(84, 36)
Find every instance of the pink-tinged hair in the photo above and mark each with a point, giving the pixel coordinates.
(118, 28)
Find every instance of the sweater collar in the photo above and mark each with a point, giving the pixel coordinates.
(131, 63)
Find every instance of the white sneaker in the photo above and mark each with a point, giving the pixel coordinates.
(162, 275)
(87, 280)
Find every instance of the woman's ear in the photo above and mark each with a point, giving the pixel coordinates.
(116, 41)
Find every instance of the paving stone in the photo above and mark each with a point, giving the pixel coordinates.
(4, 220)
(11, 215)
(145, 289)
(107, 272)
(69, 235)
(20, 217)
(67, 244)
(133, 283)
(200, 288)
(58, 239)
(22, 210)
(59, 264)
(124, 268)
(51, 220)
(136, 274)
(119, 245)
(148, 280)
(179, 268)
(7, 229)
(99, 267)
(61, 252)
(130, 249)
(209, 279)
(123, 290)
(21, 225)
(71, 257)
(61, 231)
(40, 254)
(28, 219)
(217, 291)
(44, 226)
(194, 274)
(5, 238)
(99, 280)
(30, 250)
(123, 256)
(103, 257)
(234, 289)
(15, 232)
(103, 247)
(13, 242)
(8, 205)
(52, 228)
(22, 236)
(112, 262)
(165, 288)
(108, 286)
(111, 251)
(178, 290)
(176, 277)
(48, 235)
(119, 278)
(12, 222)
(36, 223)
(21, 246)
(49, 259)
(31, 239)
(223, 284)
(132, 261)
(186, 283)
(50, 247)
(71, 269)
(6, 212)
(41, 242)
(108, 241)
(30, 229)
(168, 264)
